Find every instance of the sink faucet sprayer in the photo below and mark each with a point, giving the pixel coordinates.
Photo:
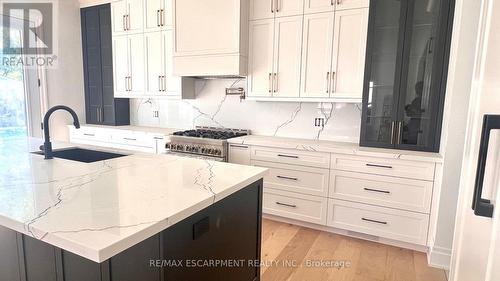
(47, 145)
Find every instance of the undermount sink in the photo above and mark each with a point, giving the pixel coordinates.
(82, 155)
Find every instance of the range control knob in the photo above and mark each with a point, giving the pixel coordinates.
(218, 152)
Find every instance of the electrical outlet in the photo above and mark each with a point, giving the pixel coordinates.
(319, 122)
(156, 114)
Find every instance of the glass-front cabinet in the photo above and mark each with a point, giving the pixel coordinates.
(405, 74)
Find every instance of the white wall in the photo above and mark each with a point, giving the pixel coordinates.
(212, 108)
(455, 118)
(65, 82)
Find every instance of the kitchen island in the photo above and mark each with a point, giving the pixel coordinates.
(138, 217)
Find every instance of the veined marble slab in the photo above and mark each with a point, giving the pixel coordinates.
(336, 147)
(97, 210)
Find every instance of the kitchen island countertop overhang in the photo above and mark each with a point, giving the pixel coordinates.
(100, 209)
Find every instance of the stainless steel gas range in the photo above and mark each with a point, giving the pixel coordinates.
(203, 142)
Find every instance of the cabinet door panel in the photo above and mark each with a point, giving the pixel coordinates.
(260, 60)
(9, 257)
(382, 73)
(154, 61)
(288, 47)
(136, 65)
(136, 15)
(152, 9)
(316, 55)
(118, 11)
(284, 8)
(349, 53)
(120, 64)
(261, 9)
(173, 83)
(352, 4)
(317, 6)
(422, 75)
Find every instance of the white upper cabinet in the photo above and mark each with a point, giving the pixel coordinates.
(157, 15)
(119, 17)
(318, 6)
(261, 58)
(261, 9)
(317, 55)
(287, 56)
(127, 16)
(285, 8)
(155, 66)
(211, 37)
(351, 4)
(349, 49)
(136, 63)
(120, 65)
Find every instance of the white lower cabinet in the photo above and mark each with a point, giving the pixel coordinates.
(405, 194)
(374, 195)
(304, 180)
(301, 207)
(118, 138)
(388, 223)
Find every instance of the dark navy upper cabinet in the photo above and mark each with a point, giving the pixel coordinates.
(100, 105)
(405, 73)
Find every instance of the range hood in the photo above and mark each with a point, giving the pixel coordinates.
(211, 38)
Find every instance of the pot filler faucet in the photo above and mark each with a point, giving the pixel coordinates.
(47, 145)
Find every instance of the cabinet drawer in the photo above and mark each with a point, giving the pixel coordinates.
(89, 134)
(133, 139)
(378, 221)
(382, 166)
(239, 154)
(295, 206)
(305, 180)
(294, 157)
(407, 194)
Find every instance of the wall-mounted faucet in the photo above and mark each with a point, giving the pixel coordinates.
(47, 145)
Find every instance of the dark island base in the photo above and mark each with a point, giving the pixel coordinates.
(194, 249)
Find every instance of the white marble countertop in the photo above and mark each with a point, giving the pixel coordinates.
(98, 210)
(336, 147)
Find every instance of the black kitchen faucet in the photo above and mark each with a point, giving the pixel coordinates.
(47, 145)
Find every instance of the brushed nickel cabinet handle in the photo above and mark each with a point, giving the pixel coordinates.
(286, 205)
(130, 139)
(339, 2)
(162, 17)
(158, 18)
(124, 24)
(276, 77)
(159, 83)
(332, 3)
(377, 190)
(393, 125)
(379, 166)
(164, 81)
(270, 83)
(89, 135)
(374, 221)
(399, 132)
(277, 6)
(287, 178)
(126, 83)
(130, 82)
(272, 6)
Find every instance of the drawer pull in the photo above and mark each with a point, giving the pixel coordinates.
(288, 156)
(130, 139)
(89, 135)
(377, 190)
(158, 138)
(374, 221)
(287, 178)
(239, 146)
(286, 205)
(379, 166)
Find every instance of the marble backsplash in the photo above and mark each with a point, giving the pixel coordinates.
(213, 108)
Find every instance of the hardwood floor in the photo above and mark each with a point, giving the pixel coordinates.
(295, 253)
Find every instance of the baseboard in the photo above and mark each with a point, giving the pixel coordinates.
(439, 257)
